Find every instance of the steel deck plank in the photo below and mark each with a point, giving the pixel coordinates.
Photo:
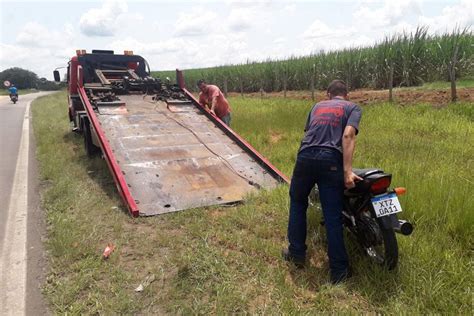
(178, 160)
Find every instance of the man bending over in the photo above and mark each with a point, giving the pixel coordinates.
(212, 97)
(325, 159)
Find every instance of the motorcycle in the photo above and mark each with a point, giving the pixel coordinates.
(370, 214)
(14, 98)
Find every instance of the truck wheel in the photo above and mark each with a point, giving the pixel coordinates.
(91, 149)
(71, 118)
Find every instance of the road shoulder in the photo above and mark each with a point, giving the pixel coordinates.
(36, 254)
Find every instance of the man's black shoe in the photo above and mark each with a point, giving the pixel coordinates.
(342, 277)
(299, 262)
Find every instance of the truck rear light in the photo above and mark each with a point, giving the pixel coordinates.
(380, 185)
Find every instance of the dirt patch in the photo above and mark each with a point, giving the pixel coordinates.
(217, 213)
(365, 96)
(275, 137)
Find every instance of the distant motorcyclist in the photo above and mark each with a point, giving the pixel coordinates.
(13, 91)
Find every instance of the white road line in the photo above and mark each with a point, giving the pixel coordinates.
(13, 257)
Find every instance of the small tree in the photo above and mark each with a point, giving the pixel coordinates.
(453, 51)
(313, 78)
(390, 66)
(21, 78)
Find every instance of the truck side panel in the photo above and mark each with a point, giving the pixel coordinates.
(109, 157)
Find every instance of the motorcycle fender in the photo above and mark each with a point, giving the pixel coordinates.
(389, 221)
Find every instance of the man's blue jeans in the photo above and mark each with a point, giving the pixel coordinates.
(226, 119)
(321, 166)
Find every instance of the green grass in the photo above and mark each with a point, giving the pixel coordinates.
(224, 260)
(461, 83)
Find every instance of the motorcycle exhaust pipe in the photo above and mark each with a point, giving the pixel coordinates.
(403, 227)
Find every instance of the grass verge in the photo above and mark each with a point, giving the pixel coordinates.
(461, 83)
(226, 260)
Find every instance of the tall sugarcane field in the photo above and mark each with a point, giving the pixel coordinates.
(401, 60)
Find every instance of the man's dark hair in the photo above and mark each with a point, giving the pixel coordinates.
(337, 88)
(200, 82)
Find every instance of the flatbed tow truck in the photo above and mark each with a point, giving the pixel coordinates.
(164, 150)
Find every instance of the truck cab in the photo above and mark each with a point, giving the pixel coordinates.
(102, 71)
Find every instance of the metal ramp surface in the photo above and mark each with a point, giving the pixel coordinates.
(174, 158)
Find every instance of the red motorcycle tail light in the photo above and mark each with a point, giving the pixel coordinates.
(380, 185)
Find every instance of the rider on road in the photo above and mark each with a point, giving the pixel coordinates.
(13, 91)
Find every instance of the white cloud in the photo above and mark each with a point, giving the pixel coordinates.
(158, 48)
(317, 29)
(457, 15)
(279, 40)
(320, 30)
(38, 48)
(242, 19)
(188, 52)
(103, 21)
(34, 34)
(40, 60)
(247, 15)
(197, 23)
(289, 9)
(387, 15)
(250, 3)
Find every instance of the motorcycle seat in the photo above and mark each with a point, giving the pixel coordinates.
(366, 172)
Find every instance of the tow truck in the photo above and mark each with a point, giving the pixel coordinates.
(165, 151)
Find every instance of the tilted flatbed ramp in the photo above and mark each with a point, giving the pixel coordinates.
(174, 158)
(168, 154)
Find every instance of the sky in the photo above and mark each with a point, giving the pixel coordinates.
(43, 35)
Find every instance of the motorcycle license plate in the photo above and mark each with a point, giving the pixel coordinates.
(386, 204)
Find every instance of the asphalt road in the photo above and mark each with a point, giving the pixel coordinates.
(22, 224)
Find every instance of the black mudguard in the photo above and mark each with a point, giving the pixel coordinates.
(389, 221)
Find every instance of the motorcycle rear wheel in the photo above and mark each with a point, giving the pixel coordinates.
(387, 254)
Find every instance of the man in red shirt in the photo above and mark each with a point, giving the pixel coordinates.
(212, 97)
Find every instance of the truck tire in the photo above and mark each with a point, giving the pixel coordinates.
(71, 118)
(91, 149)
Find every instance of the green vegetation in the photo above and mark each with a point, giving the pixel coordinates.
(415, 58)
(25, 79)
(224, 260)
(462, 83)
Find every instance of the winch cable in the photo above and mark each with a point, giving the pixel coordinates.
(226, 162)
